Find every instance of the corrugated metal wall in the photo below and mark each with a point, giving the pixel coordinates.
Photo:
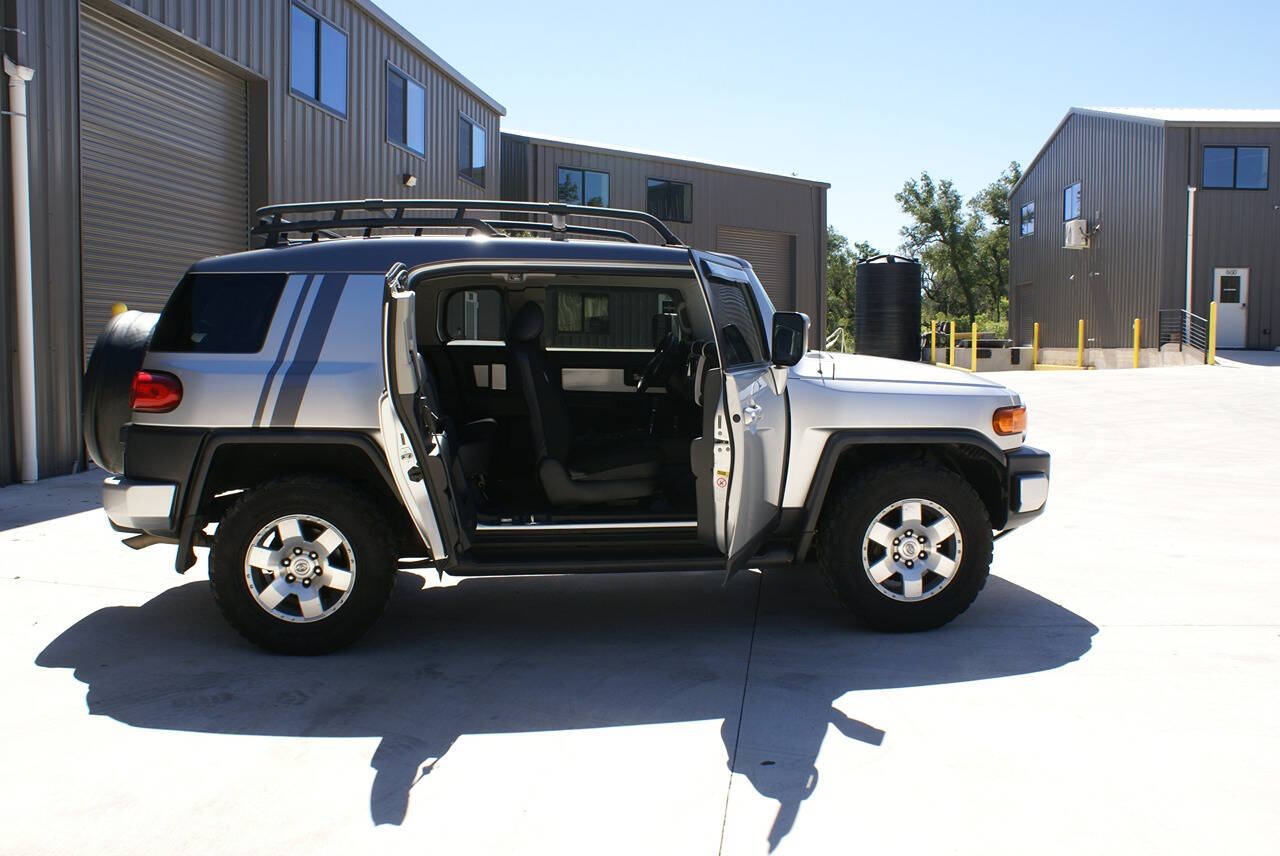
(1234, 228)
(721, 197)
(1120, 165)
(313, 153)
(299, 151)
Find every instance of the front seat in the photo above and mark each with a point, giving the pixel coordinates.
(573, 473)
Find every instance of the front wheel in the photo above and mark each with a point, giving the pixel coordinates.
(300, 565)
(906, 546)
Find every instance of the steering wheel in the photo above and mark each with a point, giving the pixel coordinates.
(659, 364)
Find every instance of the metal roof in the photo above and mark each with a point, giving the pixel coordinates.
(431, 56)
(605, 149)
(378, 254)
(1187, 115)
(1162, 116)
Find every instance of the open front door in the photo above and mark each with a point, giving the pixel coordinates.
(745, 418)
(413, 432)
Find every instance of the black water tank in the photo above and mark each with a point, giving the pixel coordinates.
(887, 312)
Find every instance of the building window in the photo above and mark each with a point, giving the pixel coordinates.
(670, 200)
(577, 312)
(1240, 167)
(317, 60)
(1027, 220)
(1071, 203)
(406, 112)
(582, 187)
(471, 150)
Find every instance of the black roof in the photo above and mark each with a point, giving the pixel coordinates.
(378, 254)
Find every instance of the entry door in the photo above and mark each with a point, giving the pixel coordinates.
(1231, 290)
(750, 419)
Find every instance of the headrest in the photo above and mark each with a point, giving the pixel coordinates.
(527, 325)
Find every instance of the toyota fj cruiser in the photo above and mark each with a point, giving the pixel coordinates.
(329, 408)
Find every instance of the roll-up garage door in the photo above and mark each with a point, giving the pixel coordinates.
(164, 174)
(772, 255)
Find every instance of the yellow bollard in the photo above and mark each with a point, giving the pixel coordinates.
(973, 359)
(1213, 333)
(118, 309)
(933, 341)
(1080, 346)
(1035, 344)
(1137, 334)
(951, 341)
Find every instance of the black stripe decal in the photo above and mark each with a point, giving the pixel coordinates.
(314, 333)
(284, 347)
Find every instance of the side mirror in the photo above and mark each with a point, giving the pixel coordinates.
(790, 337)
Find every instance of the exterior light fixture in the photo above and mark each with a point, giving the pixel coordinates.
(410, 180)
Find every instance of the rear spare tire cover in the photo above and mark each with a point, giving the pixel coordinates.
(116, 357)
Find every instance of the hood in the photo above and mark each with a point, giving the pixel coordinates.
(859, 367)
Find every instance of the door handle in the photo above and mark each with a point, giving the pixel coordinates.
(751, 411)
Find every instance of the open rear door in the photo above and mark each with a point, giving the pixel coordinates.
(745, 419)
(413, 431)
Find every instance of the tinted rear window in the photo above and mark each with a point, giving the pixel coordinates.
(213, 313)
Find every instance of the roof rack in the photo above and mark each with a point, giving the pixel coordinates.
(370, 215)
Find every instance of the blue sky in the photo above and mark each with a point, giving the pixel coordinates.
(860, 95)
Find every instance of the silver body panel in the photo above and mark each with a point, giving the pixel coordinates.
(835, 392)
(320, 366)
(135, 504)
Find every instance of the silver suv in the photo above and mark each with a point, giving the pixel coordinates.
(531, 396)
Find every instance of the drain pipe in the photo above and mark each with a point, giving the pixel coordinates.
(1191, 245)
(18, 76)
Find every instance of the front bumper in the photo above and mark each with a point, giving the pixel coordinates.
(1027, 485)
(139, 505)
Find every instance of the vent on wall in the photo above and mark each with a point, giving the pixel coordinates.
(1075, 234)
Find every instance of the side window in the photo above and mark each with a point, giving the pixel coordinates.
(212, 313)
(406, 111)
(738, 321)
(317, 59)
(471, 150)
(607, 318)
(669, 200)
(1027, 219)
(582, 187)
(473, 315)
(1071, 203)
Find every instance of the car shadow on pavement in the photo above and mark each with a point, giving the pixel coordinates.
(488, 656)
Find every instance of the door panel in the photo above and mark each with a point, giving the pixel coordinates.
(749, 421)
(1231, 290)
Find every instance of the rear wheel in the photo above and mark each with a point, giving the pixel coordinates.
(301, 565)
(906, 546)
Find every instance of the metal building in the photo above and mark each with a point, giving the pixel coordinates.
(155, 128)
(1120, 203)
(776, 222)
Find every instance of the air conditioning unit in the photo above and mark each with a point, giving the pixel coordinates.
(1075, 234)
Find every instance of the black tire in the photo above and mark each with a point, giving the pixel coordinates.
(108, 380)
(340, 505)
(845, 525)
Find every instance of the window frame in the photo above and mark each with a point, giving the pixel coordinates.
(689, 184)
(463, 117)
(316, 101)
(582, 170)
(408, 79)
(1023, 232)
(1235, 167)
(1079, 185)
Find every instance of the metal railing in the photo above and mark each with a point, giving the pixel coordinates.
(1184, 329)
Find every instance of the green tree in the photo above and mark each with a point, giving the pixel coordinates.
(842, 274)
(991, 207)
(945, 240)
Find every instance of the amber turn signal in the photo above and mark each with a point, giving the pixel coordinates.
(1009, 420)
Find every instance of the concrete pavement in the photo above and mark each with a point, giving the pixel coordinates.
(1113, 689)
